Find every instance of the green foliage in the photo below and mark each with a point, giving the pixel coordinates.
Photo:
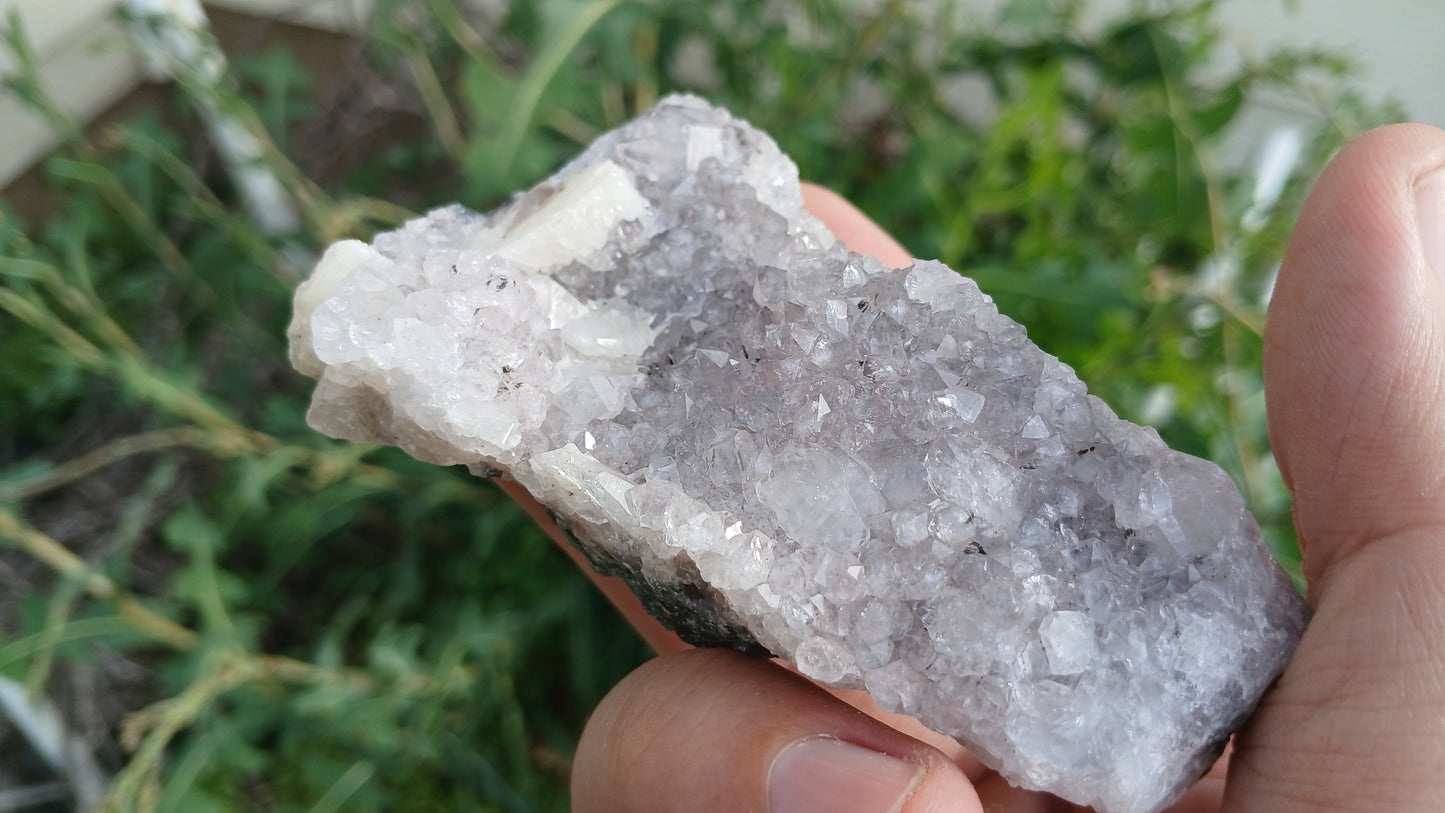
(331, 626)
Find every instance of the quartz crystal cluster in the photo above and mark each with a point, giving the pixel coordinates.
(791, 449)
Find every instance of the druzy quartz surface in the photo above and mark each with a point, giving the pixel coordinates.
(791, 449)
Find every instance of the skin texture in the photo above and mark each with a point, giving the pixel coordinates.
(1355, 384)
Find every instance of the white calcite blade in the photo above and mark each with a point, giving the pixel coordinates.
(791, 449)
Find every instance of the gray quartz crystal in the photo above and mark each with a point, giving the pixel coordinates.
(791, 449)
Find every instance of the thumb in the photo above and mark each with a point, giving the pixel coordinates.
(712, 730)
(1355, 384)
(1355, 348)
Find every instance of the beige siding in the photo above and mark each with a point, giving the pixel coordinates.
(1396, 44)
(84, 65)
(333, 15)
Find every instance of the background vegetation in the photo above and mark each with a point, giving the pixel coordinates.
(239, 614)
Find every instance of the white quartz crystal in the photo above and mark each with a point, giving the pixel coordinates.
(791, 449)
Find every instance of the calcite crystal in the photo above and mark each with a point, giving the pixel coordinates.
(791, 449)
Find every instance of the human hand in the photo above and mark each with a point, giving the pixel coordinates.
(1355, 382)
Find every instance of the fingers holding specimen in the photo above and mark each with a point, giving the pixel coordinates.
(712, 730)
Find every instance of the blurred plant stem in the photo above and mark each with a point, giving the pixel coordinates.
(147, 732)
(71, 567)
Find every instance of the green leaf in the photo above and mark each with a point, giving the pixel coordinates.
(1217, 114)
(191, 532)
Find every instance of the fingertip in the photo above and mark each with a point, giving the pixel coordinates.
(822, 774)
(1430, 210)
(857, 231)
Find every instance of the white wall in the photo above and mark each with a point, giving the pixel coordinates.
(84, 65)
(1399, 45)
(86, 62)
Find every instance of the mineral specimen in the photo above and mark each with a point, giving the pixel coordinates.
(791, 449)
